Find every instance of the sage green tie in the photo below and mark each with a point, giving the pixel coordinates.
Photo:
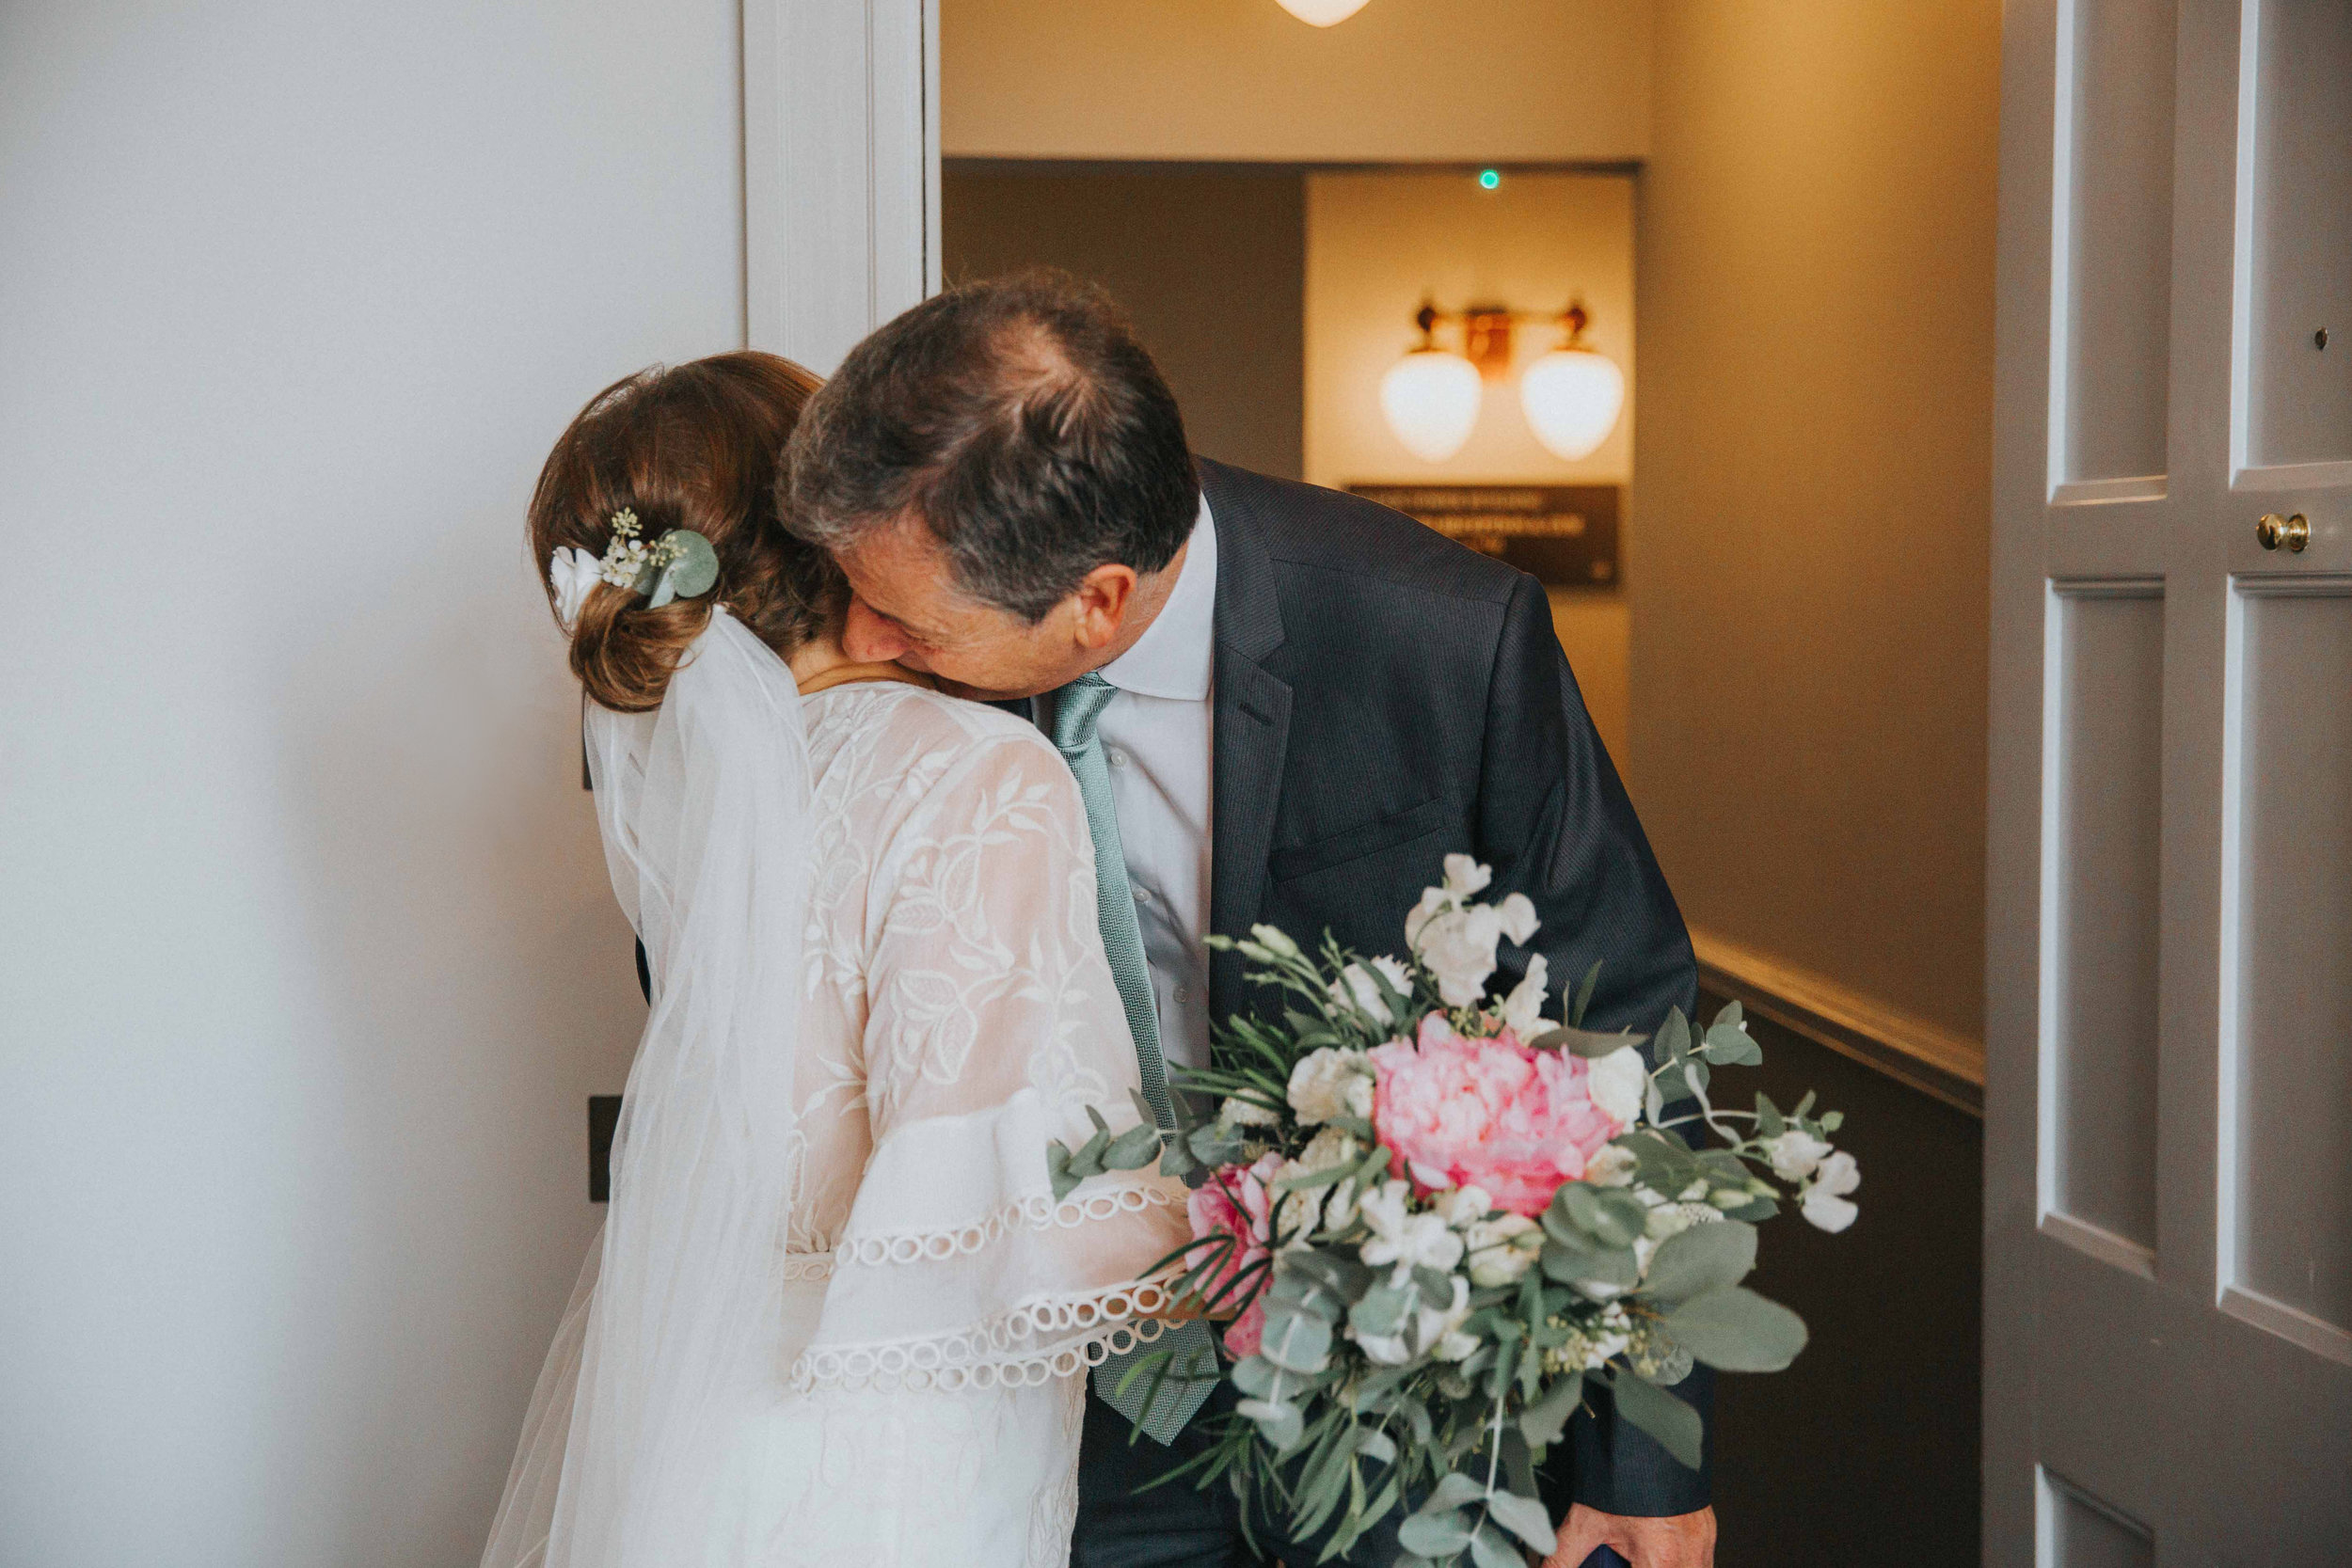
(1173, 1393)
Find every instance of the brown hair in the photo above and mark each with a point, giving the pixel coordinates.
(694, 445)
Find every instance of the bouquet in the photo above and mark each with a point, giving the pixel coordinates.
(1436, 1218)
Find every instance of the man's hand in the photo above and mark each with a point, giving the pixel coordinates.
(1680, 1541)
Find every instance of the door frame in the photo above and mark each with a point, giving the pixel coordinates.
(840, 170)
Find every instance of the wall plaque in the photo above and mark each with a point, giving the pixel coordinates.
(1564, 536)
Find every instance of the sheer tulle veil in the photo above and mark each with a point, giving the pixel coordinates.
(672, 1340)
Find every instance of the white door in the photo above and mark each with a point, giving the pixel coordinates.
(2168, 1151)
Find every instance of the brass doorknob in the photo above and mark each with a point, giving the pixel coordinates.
(2275, 531)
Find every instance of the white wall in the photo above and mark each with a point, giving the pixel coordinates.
(1403, 80)
(307, 962)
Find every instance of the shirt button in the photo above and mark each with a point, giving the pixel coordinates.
(1118, 757)
(1143, 895)
(1184, 993)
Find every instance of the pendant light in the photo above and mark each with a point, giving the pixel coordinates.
(1323, 13)
(1572, 396)
(1430, 398)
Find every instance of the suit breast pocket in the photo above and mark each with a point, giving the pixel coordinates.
(1362, 843)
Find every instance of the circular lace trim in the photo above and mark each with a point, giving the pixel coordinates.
(808, 1265)
(1035, 1213)
(1033, 1343)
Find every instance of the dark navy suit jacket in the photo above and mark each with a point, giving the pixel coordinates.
(1384, 697)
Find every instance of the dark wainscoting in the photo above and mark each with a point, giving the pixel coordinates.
(1865, 1452)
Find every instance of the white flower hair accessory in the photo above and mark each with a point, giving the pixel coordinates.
(575, 573)
(677, 565)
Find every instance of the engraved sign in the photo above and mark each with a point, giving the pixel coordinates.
(1564, 536)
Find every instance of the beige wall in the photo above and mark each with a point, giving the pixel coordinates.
(1401, 81)
(1815, 263)
(1376, 242)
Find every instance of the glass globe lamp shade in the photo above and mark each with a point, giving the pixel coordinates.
(1572, 398)
(1323, 13)
(1430, 399)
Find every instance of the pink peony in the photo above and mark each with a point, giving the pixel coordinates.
(1245, 1333)
(1234, 1201)
(1491, 1114)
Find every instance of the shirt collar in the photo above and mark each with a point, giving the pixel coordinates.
(1177, 651)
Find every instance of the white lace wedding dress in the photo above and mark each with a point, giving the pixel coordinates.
(938, 1308)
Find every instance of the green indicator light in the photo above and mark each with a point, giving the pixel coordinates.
(1488, 179)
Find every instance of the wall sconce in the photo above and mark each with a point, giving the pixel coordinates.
(1572, 396)
(1323, 13)
(1430, 396)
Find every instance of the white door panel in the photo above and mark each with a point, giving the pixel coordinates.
(2168, 1215)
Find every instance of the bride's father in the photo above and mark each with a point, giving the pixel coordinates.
(1282, 705)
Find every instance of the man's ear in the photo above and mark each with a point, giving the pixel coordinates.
(1103, 599)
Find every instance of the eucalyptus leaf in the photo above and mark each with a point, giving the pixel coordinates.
(1254, 1375)
(1280, 1425)
(696, 567)
(1376, 1446)
(1674, 1038)
(1491, 1548)
(1435, 1534)
(1729, 1046)
(1738, 1331)
(1596, 1217)
(1454, 1490)
(1664, 1416)
(1382, 1310)
(1584, 1043)
(1524, 1517)
(1580, 1266)
(1768, 1118)
(1542, 1422)
(1702, 1258)
(1299, 1343)
(1436, 1288)
(1057, 1171)
(1133, 1150)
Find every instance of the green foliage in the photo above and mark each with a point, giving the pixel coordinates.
(1738, 1331)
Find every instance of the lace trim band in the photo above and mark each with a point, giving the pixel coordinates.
(1032, 1343)
(1034, 1212)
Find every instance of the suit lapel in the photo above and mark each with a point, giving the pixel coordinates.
(1252, 730)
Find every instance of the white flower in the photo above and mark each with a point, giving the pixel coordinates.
(1458, 947)
(575, 573)
(1523, 1010)
(1619, 1084)
(1403, 1238)
(1275, 941)
(1303, 1208)
(1237, 1112)
(1501, 1248)
(1517, 914)
(1455, 940)
(1825, 1202)
(1427, 1331)
(1672, 1219)
(1463, 1206)
(1611, 1166)
(1331, 1081)
(1795, 1154)
(1465, 876)
(1355, 984)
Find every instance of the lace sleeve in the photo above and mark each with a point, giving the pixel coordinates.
(993, 1023)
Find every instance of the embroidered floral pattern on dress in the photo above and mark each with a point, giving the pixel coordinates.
(956, 1011)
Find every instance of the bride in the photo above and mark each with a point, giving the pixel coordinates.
(835, 1314)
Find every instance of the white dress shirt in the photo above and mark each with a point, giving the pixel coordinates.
(1156, 734)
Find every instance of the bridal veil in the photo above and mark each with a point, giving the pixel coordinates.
(672, 1341)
